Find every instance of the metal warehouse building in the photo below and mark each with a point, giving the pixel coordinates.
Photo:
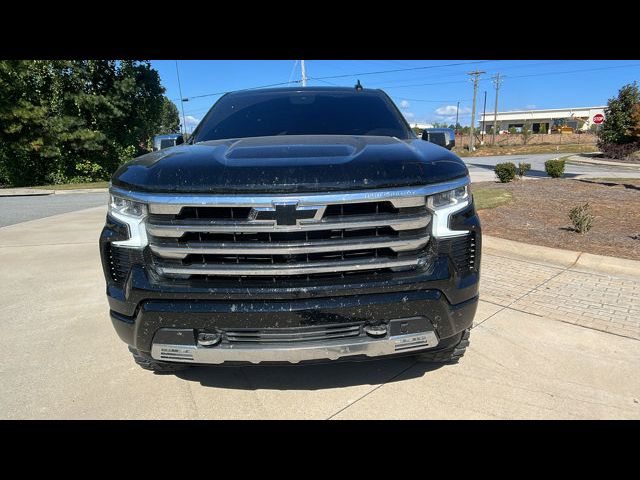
(543, 121)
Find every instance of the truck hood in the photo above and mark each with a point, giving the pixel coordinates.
(290, 164)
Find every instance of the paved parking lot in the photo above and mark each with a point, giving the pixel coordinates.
(548, 342)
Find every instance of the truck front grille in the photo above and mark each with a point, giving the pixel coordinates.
(288, 236)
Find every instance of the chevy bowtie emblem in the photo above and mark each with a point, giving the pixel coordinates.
(286, 213)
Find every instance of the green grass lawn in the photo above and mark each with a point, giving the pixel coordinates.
(490, 197)
(73, 186)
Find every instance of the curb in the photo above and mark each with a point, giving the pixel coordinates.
(32, 192)
(24, 192)
(579, 159)
(569, 259)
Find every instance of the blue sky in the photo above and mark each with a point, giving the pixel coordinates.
(427, 94)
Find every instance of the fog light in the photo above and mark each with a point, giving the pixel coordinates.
(376, 330)
(209, 339)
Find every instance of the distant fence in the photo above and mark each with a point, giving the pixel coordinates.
(535, 139)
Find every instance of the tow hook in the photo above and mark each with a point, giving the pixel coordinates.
(209, 339)
(376, 330)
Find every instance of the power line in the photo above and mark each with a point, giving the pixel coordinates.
(516, 76)
(346, 75)
(400, 70)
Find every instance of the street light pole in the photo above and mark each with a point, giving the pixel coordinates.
(184, 122)
(457, 110)
(304, 74)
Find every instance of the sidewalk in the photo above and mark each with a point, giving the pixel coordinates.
(592, 291)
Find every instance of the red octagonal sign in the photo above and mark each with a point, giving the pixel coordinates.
(598, 118)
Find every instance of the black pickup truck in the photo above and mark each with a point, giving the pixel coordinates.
(295, 225)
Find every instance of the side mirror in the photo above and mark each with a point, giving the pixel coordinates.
(445, 137)
(179, 139)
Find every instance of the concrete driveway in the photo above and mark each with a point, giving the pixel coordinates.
(60, 358)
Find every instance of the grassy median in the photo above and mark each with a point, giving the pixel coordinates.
(485, 198)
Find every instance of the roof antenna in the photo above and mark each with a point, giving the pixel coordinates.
(358, 86)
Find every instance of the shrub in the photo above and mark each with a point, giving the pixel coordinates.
(523, 168)
(505, 171)
(623, 151)
(581, 218)
(554, 168)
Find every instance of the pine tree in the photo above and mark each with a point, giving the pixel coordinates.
(618, 124)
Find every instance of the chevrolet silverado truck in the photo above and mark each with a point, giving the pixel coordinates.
(295, 225)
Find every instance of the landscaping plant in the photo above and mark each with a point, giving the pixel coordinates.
(505, 171)
(581, 218)
(554, 168)
(619, 135)
(523, 168)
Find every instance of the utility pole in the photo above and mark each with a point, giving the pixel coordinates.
(457, 110)
(304, 74)
(496, 82)
(184, 122)
(484, 112)
(476, 78)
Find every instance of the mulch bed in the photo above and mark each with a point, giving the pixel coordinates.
(539, 214)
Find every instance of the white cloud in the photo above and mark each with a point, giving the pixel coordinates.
(191, 122)
(530, 107)
(450, 110)
(408, 115)
(405, 104)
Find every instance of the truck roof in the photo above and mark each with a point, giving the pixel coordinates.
(307, 89)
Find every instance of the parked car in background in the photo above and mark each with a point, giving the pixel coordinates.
(167, 140)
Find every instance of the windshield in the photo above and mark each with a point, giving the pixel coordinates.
(258, 114)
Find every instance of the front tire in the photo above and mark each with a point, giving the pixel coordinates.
(149, 363)
(447, 355)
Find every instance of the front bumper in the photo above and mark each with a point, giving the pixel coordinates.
(180, 345)
(167, 330)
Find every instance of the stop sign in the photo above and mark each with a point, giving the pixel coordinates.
(598, 118)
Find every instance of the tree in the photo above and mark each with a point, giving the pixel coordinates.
(75, 120)
(618, 127)
(169, 118)
(526, 133)
(634, 127)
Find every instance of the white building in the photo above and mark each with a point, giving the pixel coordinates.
(577, 118)
(421, 126)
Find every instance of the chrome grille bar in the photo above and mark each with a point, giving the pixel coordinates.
(298, 268)
(398, 222)
(173, 250)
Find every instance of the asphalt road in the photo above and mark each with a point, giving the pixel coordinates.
(24, 208)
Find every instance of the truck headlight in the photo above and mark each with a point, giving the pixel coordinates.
(127, 207)
(442, 205)
(450, 197)
(133, 214)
